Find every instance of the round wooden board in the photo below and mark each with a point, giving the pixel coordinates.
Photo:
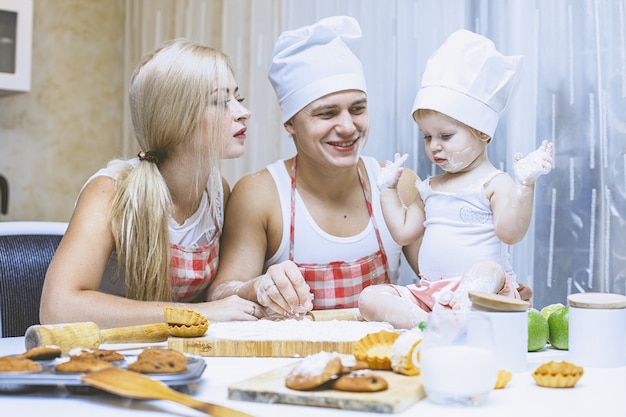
(496, 302)
(597, 300)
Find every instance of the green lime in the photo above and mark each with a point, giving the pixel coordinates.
(558, 322)
(547, 310)
(538, 330)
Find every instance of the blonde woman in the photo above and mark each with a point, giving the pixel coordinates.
(145, 232)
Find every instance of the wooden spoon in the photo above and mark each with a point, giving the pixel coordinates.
(134, 385)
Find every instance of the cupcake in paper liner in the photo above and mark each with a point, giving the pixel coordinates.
(375, 349)
(183, 322)
(503, 379)
(402, 353)
(557, 374)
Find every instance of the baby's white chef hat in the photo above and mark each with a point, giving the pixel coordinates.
(313, 61)
(469, 80)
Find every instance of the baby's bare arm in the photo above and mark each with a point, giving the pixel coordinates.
(405, 221)
(512, 201)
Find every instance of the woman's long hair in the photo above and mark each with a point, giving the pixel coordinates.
(173, 107)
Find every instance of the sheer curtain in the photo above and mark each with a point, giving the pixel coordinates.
(573, 93)
(151, 22)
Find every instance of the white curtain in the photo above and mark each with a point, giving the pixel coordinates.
(573, 93)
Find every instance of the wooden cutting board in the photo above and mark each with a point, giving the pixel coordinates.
(260, 348)
(269, 387)
(288, 338)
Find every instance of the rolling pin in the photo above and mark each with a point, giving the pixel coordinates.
(87, 335)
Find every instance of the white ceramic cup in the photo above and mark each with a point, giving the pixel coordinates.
(597, 330)
(510, 334)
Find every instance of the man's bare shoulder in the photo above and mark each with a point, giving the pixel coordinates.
(406, 184)
(253, 183)
(255, 191)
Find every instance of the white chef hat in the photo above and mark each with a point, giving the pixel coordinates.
(313, 61)
(469, 80)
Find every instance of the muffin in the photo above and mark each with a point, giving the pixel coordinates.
(160, 361)
(42, 353)
(82, 365)
(102, 354)
(362, 380)
(18, 364)
(557, 374)
(183, 322)
(402, 352)
(313, 371)
(375, 349)
(503, 379)
(158, 366)
(166, 353)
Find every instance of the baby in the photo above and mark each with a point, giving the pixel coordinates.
(468, 215)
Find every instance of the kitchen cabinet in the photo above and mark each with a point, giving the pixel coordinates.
(16, 33)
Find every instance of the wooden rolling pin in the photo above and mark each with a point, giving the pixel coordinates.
(87, 335)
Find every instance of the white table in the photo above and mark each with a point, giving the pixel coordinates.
(598, 392)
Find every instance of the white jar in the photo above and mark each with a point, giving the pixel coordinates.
(509, 320)
(510, 330)
(597, 330)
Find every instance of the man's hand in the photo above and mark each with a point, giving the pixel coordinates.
(284, 291)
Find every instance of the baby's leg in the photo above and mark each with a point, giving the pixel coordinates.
(393, 305)
(484, 276)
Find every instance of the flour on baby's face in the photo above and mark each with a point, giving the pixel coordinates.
(457, 161)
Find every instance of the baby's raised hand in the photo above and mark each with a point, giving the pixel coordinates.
(390, 174)
(539, 162)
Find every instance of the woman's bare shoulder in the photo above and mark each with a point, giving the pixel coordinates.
(98, 190)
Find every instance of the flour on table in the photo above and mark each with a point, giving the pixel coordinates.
(291, 329)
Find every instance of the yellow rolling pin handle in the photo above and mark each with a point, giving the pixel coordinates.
(66, 336)
(147, 333)
(87, 335)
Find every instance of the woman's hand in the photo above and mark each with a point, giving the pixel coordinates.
(283, 290)
(231, 308)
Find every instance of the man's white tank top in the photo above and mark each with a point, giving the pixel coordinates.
(314, 245)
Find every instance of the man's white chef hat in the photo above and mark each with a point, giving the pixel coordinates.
(469, 80)
(313, 61)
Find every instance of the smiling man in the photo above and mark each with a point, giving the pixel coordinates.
(307, 232)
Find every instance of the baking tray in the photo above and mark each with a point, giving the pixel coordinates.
(48, 377)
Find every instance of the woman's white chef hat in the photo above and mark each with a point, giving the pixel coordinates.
(313, 61)
(469, 80)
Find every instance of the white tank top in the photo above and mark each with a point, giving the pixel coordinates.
(197, 231)
(314, 245)
(459, 232)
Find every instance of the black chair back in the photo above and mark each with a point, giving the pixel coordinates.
(24, 260)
